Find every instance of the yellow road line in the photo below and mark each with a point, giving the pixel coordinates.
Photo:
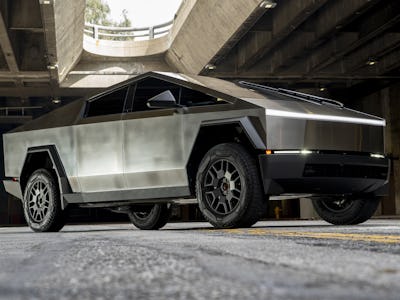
(390, 239)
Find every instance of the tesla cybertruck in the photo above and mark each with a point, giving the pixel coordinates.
(163, 138)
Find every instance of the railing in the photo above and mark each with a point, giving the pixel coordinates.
(99, 32)
(16, 110)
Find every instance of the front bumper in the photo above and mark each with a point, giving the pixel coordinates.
(321, 173)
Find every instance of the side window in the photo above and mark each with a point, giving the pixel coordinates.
(191, 97)
(150, 87)
(112, 103)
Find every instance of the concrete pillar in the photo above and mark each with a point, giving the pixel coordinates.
(385, 104)
(394, 144)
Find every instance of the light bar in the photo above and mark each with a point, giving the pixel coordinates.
(375, 155)
(287, 152)
(292, 152)
(297, 115)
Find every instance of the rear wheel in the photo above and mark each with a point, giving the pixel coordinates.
(228, 187)
(42, 205)
(346, 210)
(149, 217)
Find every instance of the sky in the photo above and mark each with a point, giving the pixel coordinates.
(144, 13)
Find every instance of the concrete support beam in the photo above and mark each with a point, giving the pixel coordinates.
(101, 74)
(326, 24)
(286, 56)
(47, 92)
(63, 25)
(14, 119)
(377, 50)
(355, 62)
(286, 19)
(252, 41)
(25, 75)
(336, 15)
(6, 46)
(24, 14)
(322, 53)
(205, 30)
(387, 18)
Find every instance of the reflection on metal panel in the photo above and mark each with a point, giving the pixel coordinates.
(16, 146)
(153, 154)
(13, 188)
(287, 133)
(331, 118)
(99, 156)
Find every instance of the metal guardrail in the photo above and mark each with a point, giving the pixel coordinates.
(99, 32)
(20, 110)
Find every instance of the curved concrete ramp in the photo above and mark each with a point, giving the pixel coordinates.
(126, 48)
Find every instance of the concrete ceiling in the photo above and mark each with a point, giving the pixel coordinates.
(341, 44)
(40, 41)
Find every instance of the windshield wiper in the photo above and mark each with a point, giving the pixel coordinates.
(297, 95)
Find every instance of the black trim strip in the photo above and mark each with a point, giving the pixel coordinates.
(134, 195)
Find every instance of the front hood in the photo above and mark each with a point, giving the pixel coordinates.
(296, 124)
(298, 109)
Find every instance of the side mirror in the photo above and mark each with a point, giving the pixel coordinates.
(163, 100)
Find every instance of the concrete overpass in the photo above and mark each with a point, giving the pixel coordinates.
(308, 43)
(44, 55)
(345, 49)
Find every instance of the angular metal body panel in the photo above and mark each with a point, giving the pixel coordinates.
(99, 161)
(290, 133)
(146, 153)
(16, 146)
(153, 151)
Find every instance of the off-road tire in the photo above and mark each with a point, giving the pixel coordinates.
(155, 218)
(356, 211)
(41, 203)
(244, 196)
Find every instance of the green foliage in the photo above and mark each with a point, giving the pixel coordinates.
(125, 20)
(97, 12)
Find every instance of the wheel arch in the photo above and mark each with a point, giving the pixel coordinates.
(45, 157)
(211, 133)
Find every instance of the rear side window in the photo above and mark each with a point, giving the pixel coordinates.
(191, 97)
(112, 103)
(150, 87)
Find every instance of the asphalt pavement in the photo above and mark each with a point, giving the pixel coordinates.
(271, 260)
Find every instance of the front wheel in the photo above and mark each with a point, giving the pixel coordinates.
(149, 217)
(228, 187)
(42, 205)
(346, 210)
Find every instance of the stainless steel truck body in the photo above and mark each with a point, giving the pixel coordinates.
(162, 136)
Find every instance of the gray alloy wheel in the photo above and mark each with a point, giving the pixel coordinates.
(149, 217)
(42, 206)
(343, 210)
(229, 188)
